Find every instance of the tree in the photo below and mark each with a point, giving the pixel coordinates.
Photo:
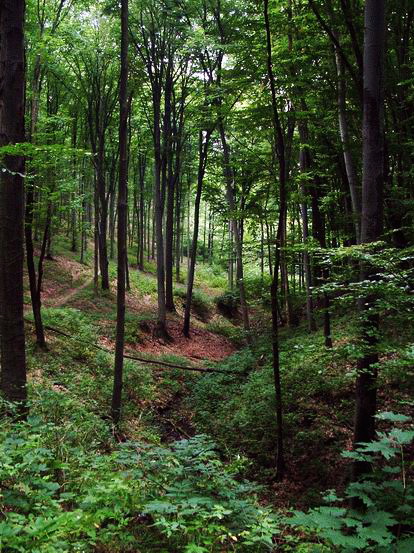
(12, 86)
(371, 216)
(122, 216)
(203, 144)
(279, 140)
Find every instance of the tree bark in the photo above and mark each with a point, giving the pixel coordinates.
(203, 143)
(141, 169)
(122, 218)
(229, 177)
(280, 150)
(346, 149)
(304, 162)
(372, 217)
(12, 83)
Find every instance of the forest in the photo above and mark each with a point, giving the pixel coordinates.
(206, 276)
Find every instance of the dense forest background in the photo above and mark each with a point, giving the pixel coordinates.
(206, 276)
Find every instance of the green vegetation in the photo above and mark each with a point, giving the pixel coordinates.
(206, 276)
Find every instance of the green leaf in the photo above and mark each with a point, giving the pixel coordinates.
(392, 417)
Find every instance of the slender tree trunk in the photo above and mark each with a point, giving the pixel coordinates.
(96, 240)
(178, 222)
(204, 231)
(230, 261)
(280, 147)
(372, 217)
(142, 168)
(203, 143)
(228, 173)
(161, 329)
(304, 162)
(102, 221)
(112, 225)
(153, 234)
(169, 241)
(346, 146)
(149, 233)
(122, 218)
(12, 82)
(74, 245)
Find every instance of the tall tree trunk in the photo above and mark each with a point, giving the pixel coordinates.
(169, 243)
(169, 188)
(161, 329)
(12, 82)
(178, 235)
(122, 218)
(231, 258)
(372, 217)
(102, 219)
(74, 245)
(96, 239)
(304, 162)
(346, 146)
(203, 143)
(142, 168)
(229, 177)
(280, 149)
(35, 295)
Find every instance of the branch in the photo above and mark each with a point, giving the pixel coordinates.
(337, 45)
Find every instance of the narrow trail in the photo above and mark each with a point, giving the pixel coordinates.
(60, 302)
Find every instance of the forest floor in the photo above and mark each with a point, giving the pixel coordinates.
(69, 283)
(318, 384)
(68, 287)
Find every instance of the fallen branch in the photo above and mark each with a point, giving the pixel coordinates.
(133, 357)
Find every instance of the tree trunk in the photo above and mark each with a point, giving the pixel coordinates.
(161, 329)
(142, 167)
(372, 217)
(280, 148)
(346, 149)
(178, 235)
(102, 220)
(169, 241)
(12, 84)
(304, 162)
(96, 240)
(122, 218)
(203, 143)
(228, 173)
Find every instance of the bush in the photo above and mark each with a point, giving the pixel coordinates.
(61, 493)
(258, 289)
(385, 521)
(228, 303)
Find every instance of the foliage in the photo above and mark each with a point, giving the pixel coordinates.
(228, 303)
(384, 522)
(232, 332)
(201, 304)
(60, 492)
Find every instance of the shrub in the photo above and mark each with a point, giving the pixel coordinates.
(258, 289)
(63, 494)
(385, 521)
(228, 303)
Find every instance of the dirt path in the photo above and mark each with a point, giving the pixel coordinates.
(60, 302)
